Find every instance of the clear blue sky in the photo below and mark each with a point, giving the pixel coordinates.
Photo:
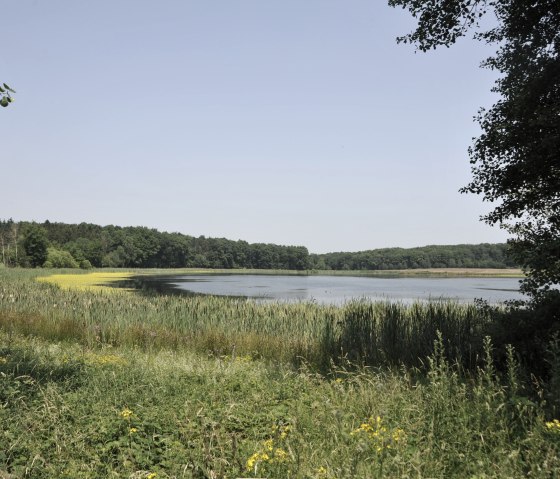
(289, 122)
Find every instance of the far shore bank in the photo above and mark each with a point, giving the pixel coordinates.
(425, 272)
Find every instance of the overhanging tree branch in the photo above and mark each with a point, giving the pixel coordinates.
(5, 95)
(516, 159)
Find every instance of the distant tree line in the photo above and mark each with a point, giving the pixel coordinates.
(84, 245)
(88, 245)
(436, 256)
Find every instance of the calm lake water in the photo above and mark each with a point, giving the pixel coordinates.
(334, 289)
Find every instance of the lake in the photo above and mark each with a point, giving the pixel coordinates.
(332, 289)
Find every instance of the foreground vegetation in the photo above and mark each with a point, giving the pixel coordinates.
(75, 412)
(98, 382)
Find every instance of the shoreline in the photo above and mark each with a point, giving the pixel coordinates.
(425, 272)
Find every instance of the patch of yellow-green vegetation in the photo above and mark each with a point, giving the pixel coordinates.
(102, 359)
(87, 282)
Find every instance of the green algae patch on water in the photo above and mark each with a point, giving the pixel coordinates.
(87, 282)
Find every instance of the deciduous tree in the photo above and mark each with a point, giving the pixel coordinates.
(35, 243)
(516, 159)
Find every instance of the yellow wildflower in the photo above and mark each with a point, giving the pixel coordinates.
(284, 432)
(553, 426)
(321, 471)
(256, 458)
(133, 430)
(378, 434)
(269, 452)
(251, 461)
(105, 360)
(151, 475)
(126, 413)
(280, 455)
(398, 434)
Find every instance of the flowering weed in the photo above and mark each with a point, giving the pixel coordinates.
(553, 426)
(378, 435)
(271, 452)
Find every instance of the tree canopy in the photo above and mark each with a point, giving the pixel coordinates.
(516, 159)
(36, 245)
(434, 256)
(87, 245)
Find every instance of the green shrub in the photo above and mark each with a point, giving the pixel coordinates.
(85, 264)
(60, 259)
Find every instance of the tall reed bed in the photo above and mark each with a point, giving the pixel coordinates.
(371, 333)
(375, 333)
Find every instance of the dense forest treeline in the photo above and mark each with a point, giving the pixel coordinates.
(87, 245)
(435, 256)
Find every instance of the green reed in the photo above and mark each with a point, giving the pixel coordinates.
(371, 333)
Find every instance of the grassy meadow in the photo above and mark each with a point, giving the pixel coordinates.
(97, 382)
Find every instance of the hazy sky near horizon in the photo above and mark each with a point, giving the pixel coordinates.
(288, 122)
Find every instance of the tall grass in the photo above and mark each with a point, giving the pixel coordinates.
(371, 333)
(118, 412)
(392, 333)
(83, 404)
